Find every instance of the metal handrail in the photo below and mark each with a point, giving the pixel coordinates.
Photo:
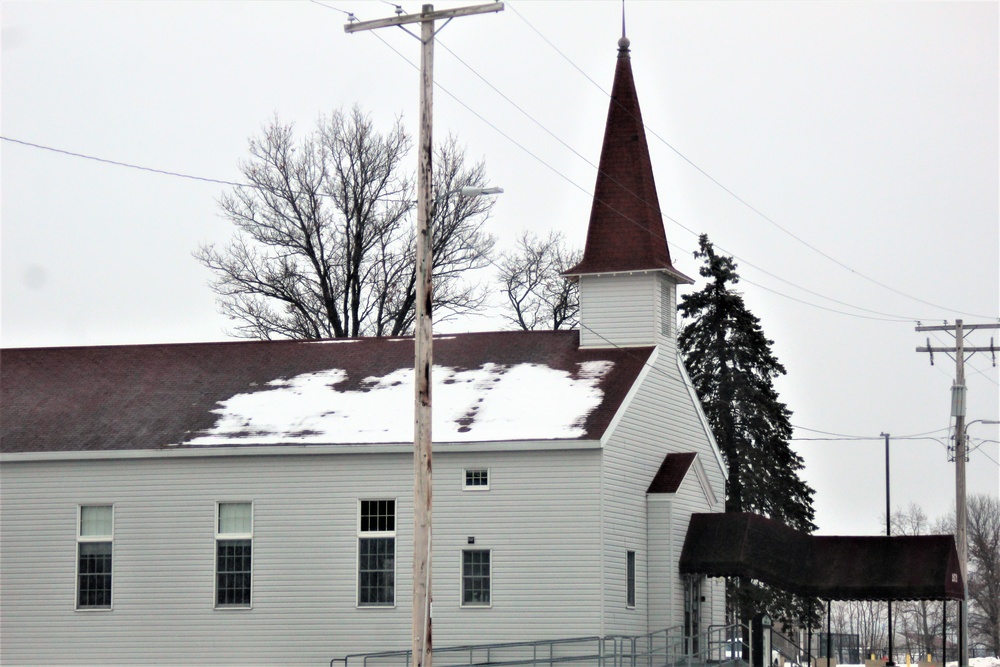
(788, 649)
(482, 654)
(664, 648)
(724, 643)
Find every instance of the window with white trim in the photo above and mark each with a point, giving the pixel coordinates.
(630, 579)
(476, 569)
(476, 479)
(377, 553)
(233, 554)
(94, 541)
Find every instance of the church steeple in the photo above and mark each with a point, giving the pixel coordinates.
(626, 227)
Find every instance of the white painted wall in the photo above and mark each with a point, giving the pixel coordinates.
(661, 416)
(540, 518)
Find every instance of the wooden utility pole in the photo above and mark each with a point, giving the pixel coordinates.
(422, 478)
(958, 393)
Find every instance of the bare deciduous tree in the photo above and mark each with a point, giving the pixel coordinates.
(917, 623)
(324, 240)
(538, 296)
(984, 570)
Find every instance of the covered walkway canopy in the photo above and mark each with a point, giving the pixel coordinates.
(907, 567)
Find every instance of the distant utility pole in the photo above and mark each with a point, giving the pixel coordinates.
(888, 532)
(422, 481)
(958, 393)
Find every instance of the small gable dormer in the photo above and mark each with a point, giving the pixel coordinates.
(628, 285)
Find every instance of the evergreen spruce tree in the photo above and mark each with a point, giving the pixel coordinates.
(732, 366)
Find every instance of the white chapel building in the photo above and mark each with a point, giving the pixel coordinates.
(252, 502)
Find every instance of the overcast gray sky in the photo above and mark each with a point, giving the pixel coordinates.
(845, 152)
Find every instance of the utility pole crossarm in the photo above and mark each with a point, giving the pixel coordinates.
(952, 349)
(951, 327)
(430, 16)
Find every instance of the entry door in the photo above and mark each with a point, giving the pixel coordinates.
(692, 614)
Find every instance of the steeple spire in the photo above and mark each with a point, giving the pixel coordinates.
(626, 227)
(623, 42)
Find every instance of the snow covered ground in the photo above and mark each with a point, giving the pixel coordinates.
(973, 662)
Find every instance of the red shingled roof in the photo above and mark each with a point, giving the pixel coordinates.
(906, 567)
(151, 396)
(626, 227)
(671, 473)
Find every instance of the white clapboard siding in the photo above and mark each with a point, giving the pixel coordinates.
(661, 418)
(663, 557)
(540, 518)
(628, 309)
(618, 309)
(689, 499)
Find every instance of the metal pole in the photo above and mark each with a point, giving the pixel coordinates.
(829, 636)
(809, 639)
(888, 532)
(961, 514)
(944, 633)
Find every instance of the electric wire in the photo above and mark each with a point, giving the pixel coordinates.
(888, 316)
(738, 198)
(116, 163)
(626, 350)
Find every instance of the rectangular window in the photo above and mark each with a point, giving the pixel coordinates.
(630, 579)
(477, 479)
(476, 578)
(233, 554)
(377, 553)
(95, 535)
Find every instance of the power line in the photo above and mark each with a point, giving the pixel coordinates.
(733, 194)
(126, 164)
(888, 316)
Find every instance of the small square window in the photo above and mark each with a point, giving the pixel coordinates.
(476, 578)
(477, 479)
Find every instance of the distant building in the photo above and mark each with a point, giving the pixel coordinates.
(251, 502)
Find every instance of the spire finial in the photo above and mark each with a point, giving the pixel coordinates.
(623, 43)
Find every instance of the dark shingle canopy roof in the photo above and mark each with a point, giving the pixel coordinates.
(626, 226)
(152, 396)
(906, 567)
(671, 473)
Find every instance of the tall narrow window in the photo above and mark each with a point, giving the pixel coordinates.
(476, 578)
(377, 553)
(94, 539)
(233, 554)
(630, 579)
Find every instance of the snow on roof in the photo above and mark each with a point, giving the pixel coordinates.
(489, 403)
(488, 387)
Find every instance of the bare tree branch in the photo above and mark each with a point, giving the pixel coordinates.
(538, 296)
(324, 237)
